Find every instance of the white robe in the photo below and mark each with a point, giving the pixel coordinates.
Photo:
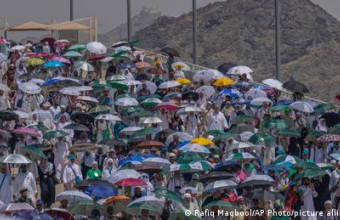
(68, 175)
(191, 125)
(60, 151)
(25, 181)
(308, 203)
(217, 121)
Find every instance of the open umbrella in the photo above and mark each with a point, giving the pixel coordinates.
(126, 102)
(202, 141)
(274, 83)
(287, 159)
(99, 108)
(168, 194)
(331, 118)
(55, 134)
(35, 61)
(239, 70)
(100, 192)
(86, 207)
(224, 82)
(87, 99)
(223, 205)
(60, 213)
(255, 93)
(30, 88)
(208, 91)
(83, 66)
(123, 174)
(37, 153)
(151, 102)
(150, 144)
(72, 54)
(257, 181)
(14, 159)
(194, 148)
(152, 120)
(260, 101)
(186, 168)
(70, 91)
(72, 196)
(169, 84)
(288, 132)
(96, 47)
(329, 138)
(180, 66)
(262, 139)
(53, 64)
(207, 75)
(118, 203)
(27, 131)
(156, 161)
(137, 208)
(77, 127)
(220, 185)
(302, 107)
(81, 117)
(32, 215)
(86, 183)
(310, 173)
(130, 182)
(182, 136)
(239, 156)
(295, 86)
(170, 51)
(16, 207)
(169, 106)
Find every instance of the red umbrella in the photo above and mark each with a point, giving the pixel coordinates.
(50, 41)
(142, 65)
(169, 106)
(151, 144)
(97, 57)
(63, 44)
(28, 131)
(41, 54)
(329, 137)
(130, 182)
(61, 59)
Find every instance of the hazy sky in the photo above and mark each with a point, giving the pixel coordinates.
(110, 13)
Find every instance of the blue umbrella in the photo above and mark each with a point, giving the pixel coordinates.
(126, 66)
(53, 64)
(229, 163)
(183, 143)
(51, 82)
(242, 102)
(233, 93)
(33, 215)
(273, 167)
(100, 192)
(130, 159)
(284, 102)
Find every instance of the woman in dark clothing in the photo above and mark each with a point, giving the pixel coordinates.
(47, 182)
(323, 193)
(293, 147)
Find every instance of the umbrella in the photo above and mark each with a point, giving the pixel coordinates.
(172, 95)
(233, 93)
(182, 136)
(81, 117)
(99, 108)
(72, 54)
(331, 118)
(156, 161)
(276, 124)
(227, 163)
(130, 182)
(313, 134)
(35, 61)
(288, 132)
(329, 138)
(70, 91)
(143, 132)
(76, 47)
(77, 127)
(131, 160)
(186, 168)
(202, 141)
(335, 129)
(136, 208)
(262, 139)
(26, 131)
(169, 106)
(130, 130)
(287, 159)
(86, 183)
(189, 157)
(149, 144)
(16, 207)
(302, 107)
(100, 191)
(33, 151)
(169, 84)
(295, 86)
(126, 102)
(207, 75)
(190, 94)
(53, 64)
(310, 173)
(255, 93)
(113, 142)
(257, 181)
(216, 175)
(58, 83)
(183, 81)
(265, 195)
(274, 83)
(223, 205)
(14, 159)
(123, 174)
(132, 82)
(151, 102)
(239, 70)
(32, 215)
(141, 65)
(220, 185)
(180, 66)
(96, 57)
(60, 213)
(170, 51)
(87, 99)
(239, 156)
(280, 108)
(83, 66)
(206, 166)
(194, 148)
(156, 71)
(55, 134)
(260, 101)
(30, 88)
(4, 87)
(306, 165)
(168, 194)
(83, 146)
(86, 208)
(323, 107)
(96, 47)
(208, 91)
(224, 82)
(188, 109)
(118, 203)
(152, 120)
(241, 128)
(72, 196)
(243, 119)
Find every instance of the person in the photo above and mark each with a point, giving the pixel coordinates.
(4, 101)
(260, 214)
(40, 206)
(46, 48)
(327, 212)
(191, 124)
(144, 91)
(72, 174)
(25, 180)
(5, 183)
(94, 173)
(308, 192)
(188, 205)
(47, 182)
(176, 182)
(109, 169)
(61, 151)
(216, 119)
(24, 198)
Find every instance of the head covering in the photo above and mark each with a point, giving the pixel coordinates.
(72, 157)
(94, 163)
(305, 152)
(172, 155)
(186, 196)
(328, 202)
(110, 161)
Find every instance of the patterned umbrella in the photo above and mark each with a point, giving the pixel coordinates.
(220, 185)
(194, 148)
(27, 131)
(329, 138)
(141, 65)
(14, 159)
(118, 203)
(55, 134)
(35, 61)
(62, 60)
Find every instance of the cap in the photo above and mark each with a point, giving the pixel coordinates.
(172, 155)
(305, 151)
(62, 106)
(110, 161)
(210, 137)
(47, 104)
(94, 163)
(72, 157)
(328, 202)
(186, 196)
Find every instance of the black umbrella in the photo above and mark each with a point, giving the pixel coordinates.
(81, 117)
(223, 68)
(265, 195)
(113, 142)
(256, 184)
(295, 86)
(170, 51)
(191, 94)
(216, 175)
(7, 115)
(77, 127)
(331, 119)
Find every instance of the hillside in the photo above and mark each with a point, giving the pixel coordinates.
(242, 32)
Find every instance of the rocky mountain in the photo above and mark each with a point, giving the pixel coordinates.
(243, 32)
(145, 18)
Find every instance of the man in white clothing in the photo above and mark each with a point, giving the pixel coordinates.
(217, 120)
(71, 173)
(308, 192)
(109, 169)
(25, 180)
(60, 151)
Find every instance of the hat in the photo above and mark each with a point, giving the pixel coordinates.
(186, 196)
(216, 156)
(94, 163)
(62, 106)
(172, 155)
(328, 202)
(112, 150)
(72, 157)
(11, 65)
(305, 151)
(210, 137)
(110, 161)
(333, 161)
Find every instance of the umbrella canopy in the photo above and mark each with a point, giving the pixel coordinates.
(118, 203)
(306, 165)
(73, 196)
(96, 47)
(255, 93)
(276, 124)
(123, 174)
(126, 102)
(170, 51)
(257, 181)
(288, 132)
(274, 83)
(86, 208)
(70, 91)
(169, 106)
(60, 213)
(27, 131)
(239, 156)
(100, 191)
(72, 54)
(77, 127)
(195, 148)
(182, 136)
(220, 185)
(35, 152)
(32, 215)
(302, 107)
(53, 64)
(222, 205)
(130, 182)
(186, 168)
(287, 159)
(295, 86)
(83, 66)
(168, 194)
(149, 144)
(14, 159)
(30, 88)
(208, 91)
(81, 117)
(169, 84)
(239, 70)
(55, 134)
(280, 108)
(310, 173)
(260, 101)
(7, 115)
(86, 183)
(152, 120)
(329, 138)
(156, 161)
(151, 102)
(35, 61)
(207, 75)
(202, 141)
(137, 208)
(16, 207)
(262, 139)
(331, 118)
(224, 82)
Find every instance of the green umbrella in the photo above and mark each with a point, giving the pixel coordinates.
(55, 134)
(335, 129)
(288, 158)
(205, 164)
(136, 208)
(288, 132)
(142, 113)
(118, 54)
(99, 108)
(151, 102)
(243, 119)
(314, 134)
(280, 108)
(124, 95)
(239, 128)
(85, 207)
(262, 139)
(39, 127)
(322, 108)
(72, 54)
(226, 205)
(168, 194)
(142, 98)
(118, 85)
(189, 157)
(117, 78)
(325, 166)
(77, 47)
(143, 132)
(310, 173)
(214, 132)
(224, 136)
(99, 89)
(306, 165)
(276, 124)
(34, 151)
(182, 216)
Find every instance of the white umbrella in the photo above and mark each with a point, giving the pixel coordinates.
(255, 93)
(194, 148)
(245, 136)
(30, 88)
(70, 91)
(302, 107)
(87, 99)
(122, 48)
(17, 47)
(84, 88)
(274, 83)
(188, 109)
(132, 82)
(84, 66)
(259, 177)
(182, 136)
(96, 47)
(239, 70)
(208, 91)
(4, 87)
(16, 207)
(22, 115)
(180, 66)
(108, 117)
(41, 114)
(106, 59)
(130, 130)
(220, 185)
(62, 41)
(39, 82)
(72, 196)
(260, 101)
(207, 75)
(241, 145)
(149, 85)
(156, 161)
(14, 159)
(152, 120)
(123, 174)
(126, 102)
(169, 84)
(243, 155)
(151, 200)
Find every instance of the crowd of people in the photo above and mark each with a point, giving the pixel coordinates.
(139, 135)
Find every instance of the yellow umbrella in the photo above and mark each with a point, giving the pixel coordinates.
(35, 61)
(183, 81)
(224, 82)
(202, 141)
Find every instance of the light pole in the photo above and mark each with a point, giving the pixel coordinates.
(194, 32)
(129, 19)
(71, 10)
(277, 39)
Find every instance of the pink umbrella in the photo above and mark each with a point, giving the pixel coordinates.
(3, 41)
(32, 55)
(131, 182)
(169, 106)
(61, 59)
(28, 131)
(142, 65)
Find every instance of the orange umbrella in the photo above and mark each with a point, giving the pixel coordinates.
(202, 141)
(150, 144)
(140, 65)
(224, 82)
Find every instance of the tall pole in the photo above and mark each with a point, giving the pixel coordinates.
(194, 27)
(71, 10)
(277, 39)
(129, 19)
